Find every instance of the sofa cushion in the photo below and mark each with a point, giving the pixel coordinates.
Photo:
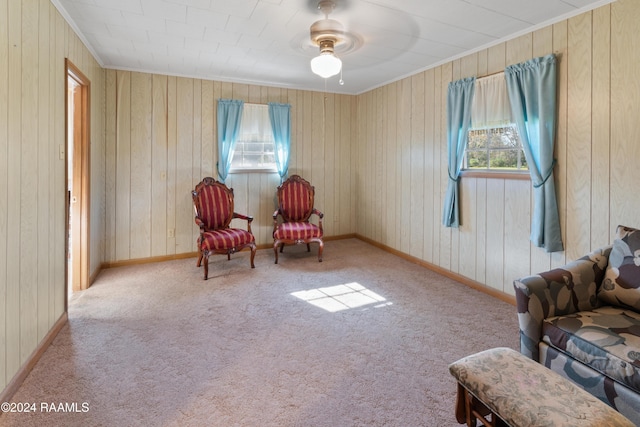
(607, 339)
(621, 285)
(616, 395)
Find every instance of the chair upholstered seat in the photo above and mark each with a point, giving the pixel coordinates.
(213, 206)
(297, 231)
(224, 239)
(295, 207)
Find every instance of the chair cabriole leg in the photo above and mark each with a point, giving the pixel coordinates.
(253, 255)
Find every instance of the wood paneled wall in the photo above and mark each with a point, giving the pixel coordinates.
(34, 42)
(376, 160)
(162, 140)
(401, 155)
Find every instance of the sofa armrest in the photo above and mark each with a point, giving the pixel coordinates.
(557, 292)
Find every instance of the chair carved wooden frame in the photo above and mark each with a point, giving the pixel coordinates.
(214, 210)
(295, 207)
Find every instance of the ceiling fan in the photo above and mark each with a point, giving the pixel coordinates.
(327, 34)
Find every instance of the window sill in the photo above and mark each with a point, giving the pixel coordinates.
(253, 170)
(495, 174)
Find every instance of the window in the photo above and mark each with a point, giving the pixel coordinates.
(495, 149)
(493, 143)
(255, 147)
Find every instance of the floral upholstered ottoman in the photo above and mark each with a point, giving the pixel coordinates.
(501, 387)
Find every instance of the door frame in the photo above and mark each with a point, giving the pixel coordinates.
(81, 175)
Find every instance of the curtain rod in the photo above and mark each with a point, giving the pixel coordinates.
(490, 74)
(502, 71)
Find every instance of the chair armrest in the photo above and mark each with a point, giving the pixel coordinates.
(247, 218)
(275, 220)
(199, 223)
(320, 216)
(557, 292)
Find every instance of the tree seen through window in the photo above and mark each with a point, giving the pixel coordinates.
(495, 149)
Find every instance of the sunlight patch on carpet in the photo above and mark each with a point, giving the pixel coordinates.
(341, 297)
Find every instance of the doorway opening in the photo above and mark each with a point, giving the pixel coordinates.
(77, 179)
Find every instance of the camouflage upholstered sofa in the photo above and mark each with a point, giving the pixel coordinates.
(583, 321)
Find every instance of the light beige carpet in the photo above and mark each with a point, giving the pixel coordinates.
(278, 345)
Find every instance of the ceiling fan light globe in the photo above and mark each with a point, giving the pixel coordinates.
(326, 65)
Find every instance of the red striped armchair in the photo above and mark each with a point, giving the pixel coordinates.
(213, 206)
(295, 207)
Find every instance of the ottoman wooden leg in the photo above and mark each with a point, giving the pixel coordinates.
(469, 410)
(461, 405)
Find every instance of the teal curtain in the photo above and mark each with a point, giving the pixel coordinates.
(280, 117)
(532, 94)
(459, 97)
(229, 119)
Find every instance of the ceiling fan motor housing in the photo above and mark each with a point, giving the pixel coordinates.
(326, 31)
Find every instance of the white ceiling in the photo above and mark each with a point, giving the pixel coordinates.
(266, 42)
